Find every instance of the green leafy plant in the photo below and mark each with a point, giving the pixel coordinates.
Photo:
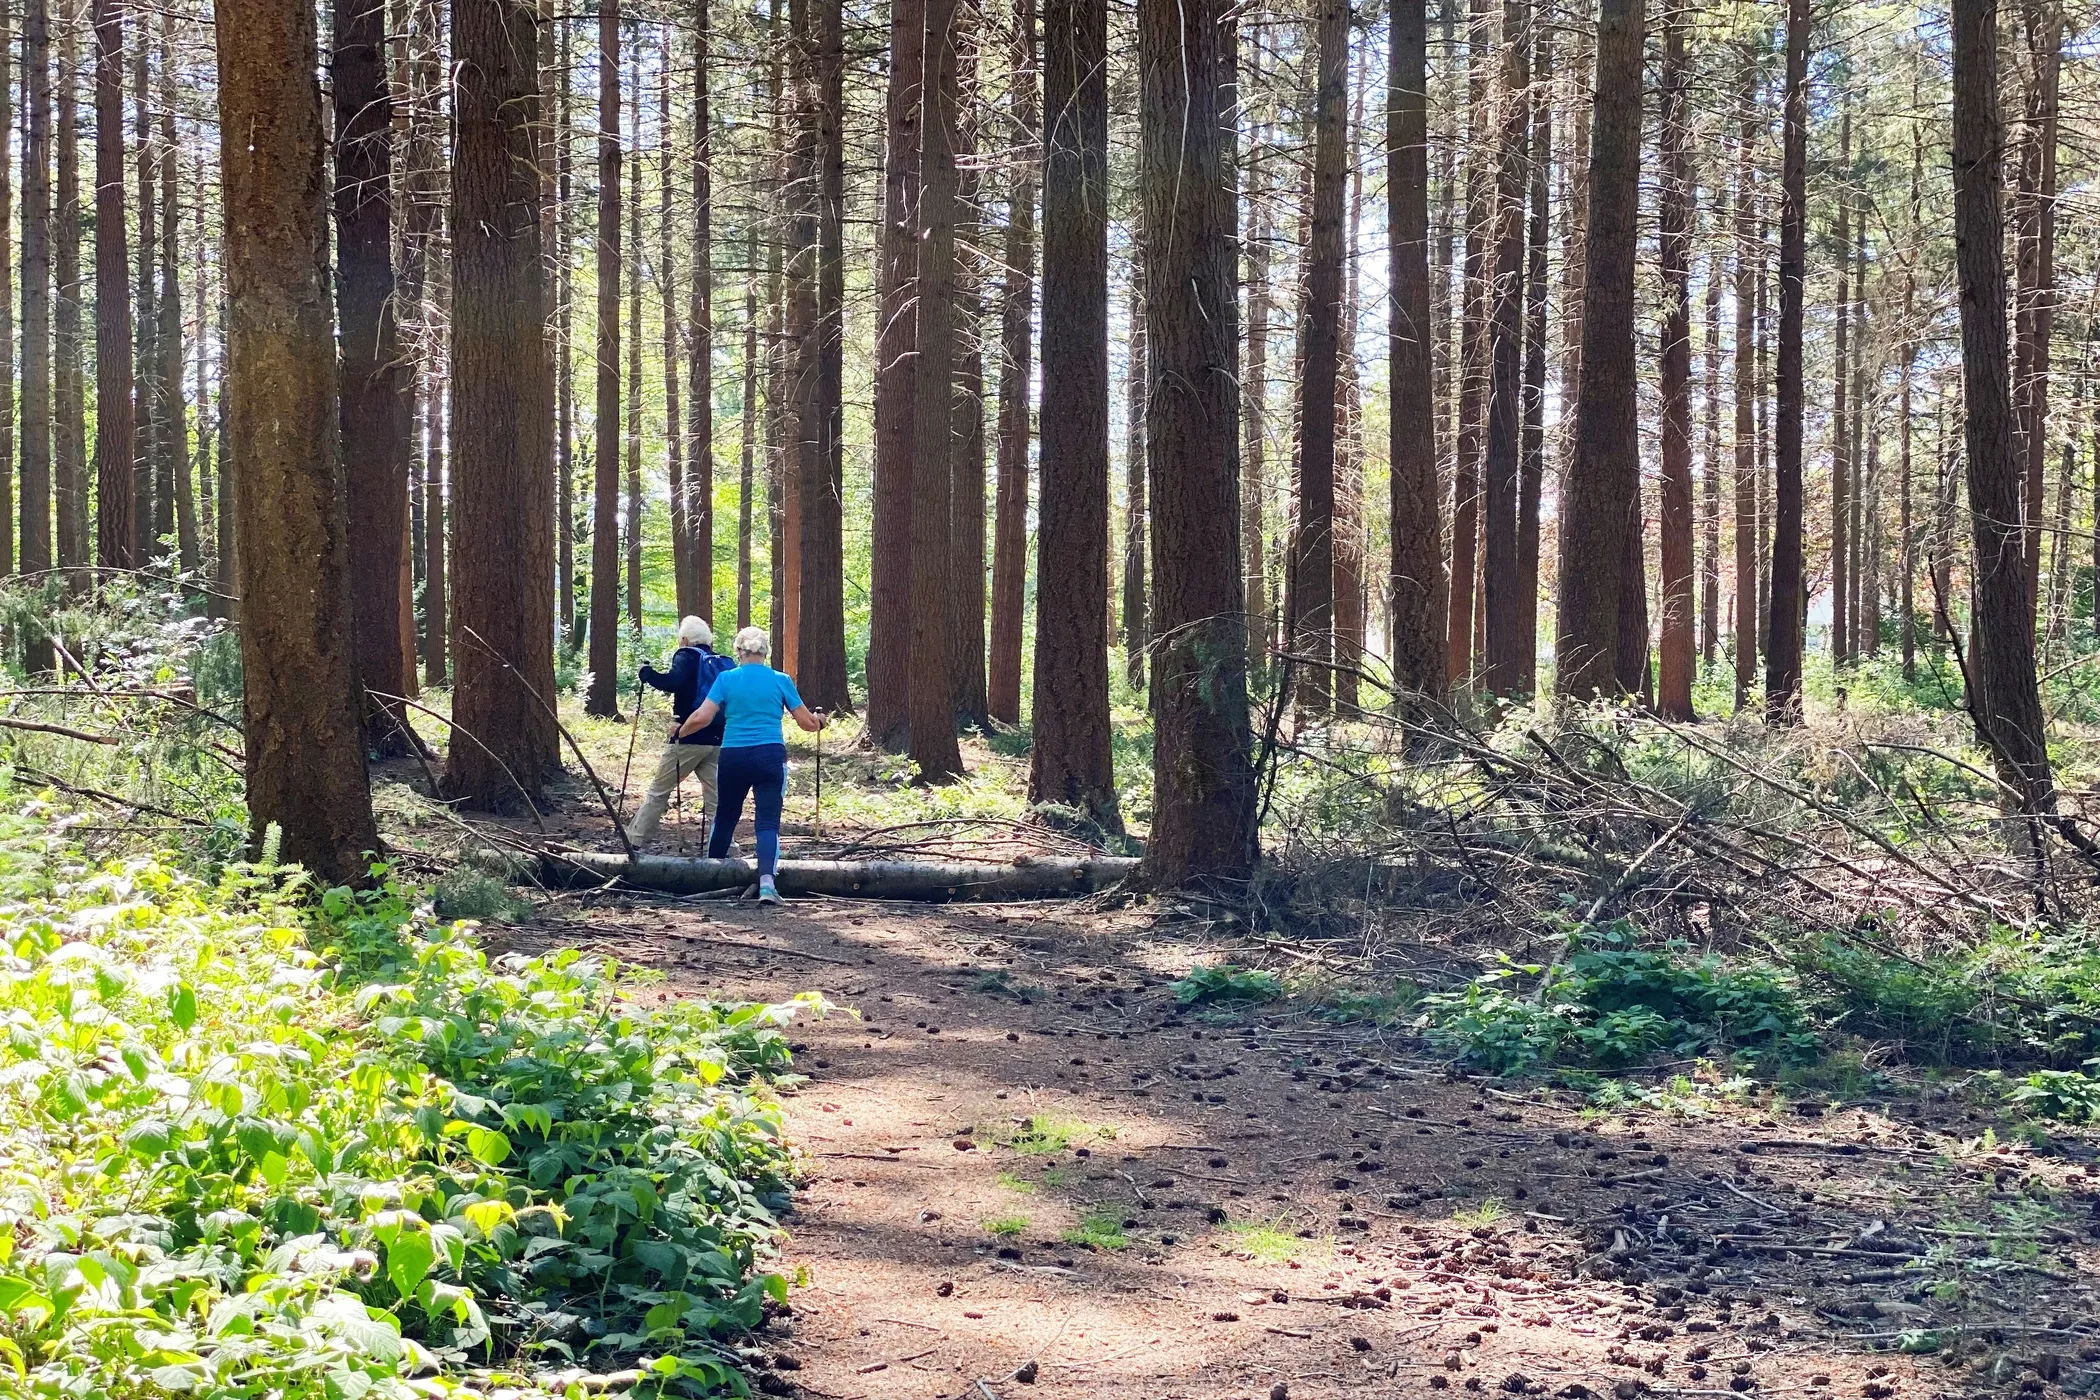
(1098, 1230)
(1225, 982)
(2063, 1094)
(239, 1167)
(1006, 1226)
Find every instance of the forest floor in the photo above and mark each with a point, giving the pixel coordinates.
(1032, 1172)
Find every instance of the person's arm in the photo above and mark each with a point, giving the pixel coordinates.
(700, 718)
(665, 681)
(810, 720)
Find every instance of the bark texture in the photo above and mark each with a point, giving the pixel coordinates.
(1016, 310)
(603, 698)
(1785, 620)
(1419, 656)
(305, 759)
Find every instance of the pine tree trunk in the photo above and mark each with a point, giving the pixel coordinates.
(890, 575)
(678, 490)
(1785, 619)
(501, 386)
(35, 502)
(1255, 390)
(420, 292)
(1502, 674)
(1204, 797)
(1710, 474)
(820, 616)
(1532, 486)
(931, 692)
(966, 532)
(699, 491)
(632, 257)
(7, 296)
(572, 596)
(1349, 522)
(174, 471)
(375, 408)
(2034, 306)
(603, 698)
(1472, 367)
(1841, 484)
(1600, 521)
(1311, 634)
(2005, 700)
(1747, 624)
(1069, 763)
(69, 432)
(1575, 231)
(305, 754)
(1137, 384)
(154, 519)
(746, 463)
(1420, 658)
(1907, 557)
(1016, 310)
(1679, 656)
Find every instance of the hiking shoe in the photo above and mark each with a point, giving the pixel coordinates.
(767, 894)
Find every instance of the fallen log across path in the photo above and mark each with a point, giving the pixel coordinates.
(1047, 877)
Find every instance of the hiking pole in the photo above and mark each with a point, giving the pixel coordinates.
(819, 822)
(632, 734)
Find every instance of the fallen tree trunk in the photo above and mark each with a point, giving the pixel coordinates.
(1048, 877)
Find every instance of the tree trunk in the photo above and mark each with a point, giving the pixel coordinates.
(1255, 390)
(7, 295)
(746, 461)
(1710, 474)
(1784, 624)
(1312, 611)
(820, 654)
(571, 616)
(1420, 658)
(678, 490)
(966, 516)
(1473, 356)
(501, 386)
(1069, 763)
(603, 698)
(1532, 486)
(889, 658)
(1575, 233)
(1136, 384)
(1016, 309)
(2005, 699)
(174, 473)
(1053, 877)
(375, 412)
(1746, 573)
(1600, 498)
(631, 435)
(145, 508)
(1679, 656)
(38, 655)
(1841, 484)
(931, 690)
(2034, 220)
(1502, 675)
(1907, 557)
(1204, 825)
(698, 594)
(1349, 521)
(305, 758)
(69, 434)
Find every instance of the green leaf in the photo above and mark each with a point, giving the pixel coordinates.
(488, 1146)
(408, 1259)
(182, 1005)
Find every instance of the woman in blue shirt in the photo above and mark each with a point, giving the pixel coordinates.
(751, 698)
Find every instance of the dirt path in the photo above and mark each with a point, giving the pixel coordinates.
(1216, 1206)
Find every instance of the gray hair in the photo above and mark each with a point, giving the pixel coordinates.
(694, 632)
(753, 642)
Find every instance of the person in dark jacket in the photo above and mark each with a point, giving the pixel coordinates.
(694, 667)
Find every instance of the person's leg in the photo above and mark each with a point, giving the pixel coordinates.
(768, 789)
(734, 781)
(708, 768)
(661, 785)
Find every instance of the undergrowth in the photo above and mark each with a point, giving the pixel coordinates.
(247, 1150)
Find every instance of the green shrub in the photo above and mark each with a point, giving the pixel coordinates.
(1226, 982)
(2057, 1093)
(232, 1169)
(1612, 1004)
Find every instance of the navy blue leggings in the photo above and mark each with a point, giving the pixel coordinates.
(760, 770)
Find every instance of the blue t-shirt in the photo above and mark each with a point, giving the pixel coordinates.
(753, 696)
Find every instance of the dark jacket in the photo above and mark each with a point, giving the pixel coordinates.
(692, 675)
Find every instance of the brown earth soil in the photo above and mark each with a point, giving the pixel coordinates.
(1263, 1203)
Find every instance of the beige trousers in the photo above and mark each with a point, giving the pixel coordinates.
(677, 763)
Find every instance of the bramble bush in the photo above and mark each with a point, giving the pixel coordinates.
(249, 1148)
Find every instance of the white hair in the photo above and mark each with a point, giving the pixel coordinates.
(694, 632)
(753, 642)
